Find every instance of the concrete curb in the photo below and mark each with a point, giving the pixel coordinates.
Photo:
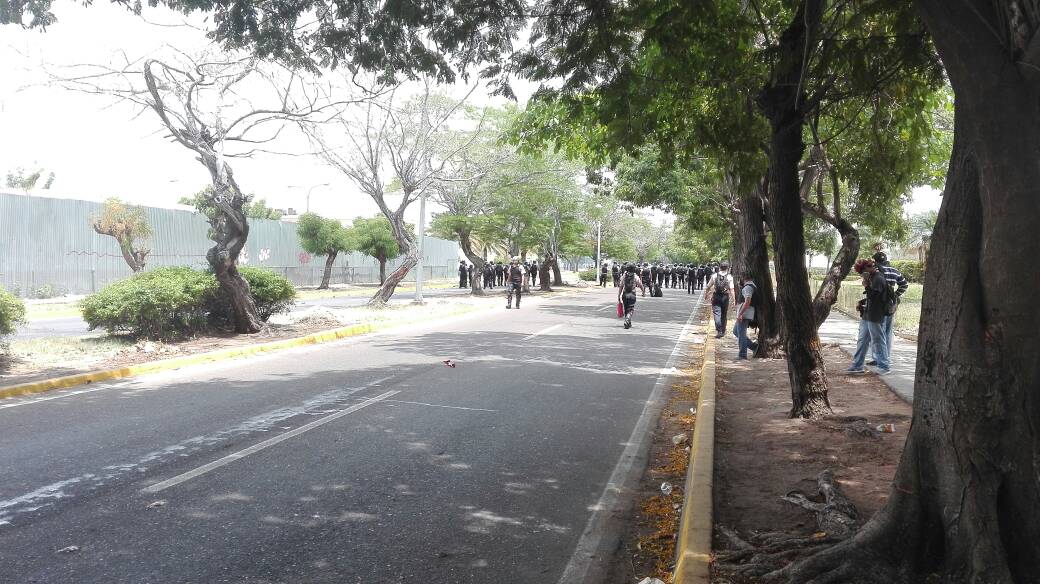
(336, 334)
(693, 552)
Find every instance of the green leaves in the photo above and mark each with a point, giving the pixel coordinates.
(321, 236)
(12, 312)
(374, 237)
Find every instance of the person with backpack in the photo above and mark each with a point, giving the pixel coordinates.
(615, 274)
(645, 276)
(603, 271)
(515, 274)
(895, 279)
(747, 302)
(879, 299)
(720, 290)
(627, 292)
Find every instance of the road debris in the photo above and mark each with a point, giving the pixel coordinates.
(155, 504)
(679, 439)
(449, 363)
(666, 488)
(69, 550)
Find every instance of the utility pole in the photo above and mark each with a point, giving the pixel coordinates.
(419, 265)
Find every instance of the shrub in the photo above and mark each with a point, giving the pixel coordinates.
(589, 275)
(271, 292)
(913, 270)
(161, 303)
(48, 291)
(12, 312)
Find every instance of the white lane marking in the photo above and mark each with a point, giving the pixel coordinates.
(543, 331)
(591, 547)
(157, 487)
(605, 307)
(415, 403)
(58, 395)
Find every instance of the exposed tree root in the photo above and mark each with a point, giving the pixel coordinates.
(852, 426)
(765, 555)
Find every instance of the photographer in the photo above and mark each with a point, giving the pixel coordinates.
(872, 313)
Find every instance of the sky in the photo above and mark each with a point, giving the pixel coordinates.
(98, 149)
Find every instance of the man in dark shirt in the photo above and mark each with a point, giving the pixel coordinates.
(500, 274)
(515, 275)
(615, 273)
(872, 310)
(463, 275)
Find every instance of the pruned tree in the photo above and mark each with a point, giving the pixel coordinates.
(324, 237)
(375, 237)
(253, 208)
(406, 139)
(200, 101)
(128, 225)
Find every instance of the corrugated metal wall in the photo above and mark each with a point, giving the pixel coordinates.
(50, 242)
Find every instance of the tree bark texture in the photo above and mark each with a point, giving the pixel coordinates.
(327, 276)
(476, 282)
(229, 230)
(543, 273)
(779, 102)
(134, 258)
(965, 504)
(557, 275)
(751, 230)
(409, 252)
(840, 267)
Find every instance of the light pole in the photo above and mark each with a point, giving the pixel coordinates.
(309, 191)
(599, 224)
(422, 229)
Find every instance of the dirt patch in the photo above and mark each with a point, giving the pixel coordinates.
(761, 454)
(647, 547)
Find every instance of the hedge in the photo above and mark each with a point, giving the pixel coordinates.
(12, 312)
(588, 275)
(170, 302)
(912, 270)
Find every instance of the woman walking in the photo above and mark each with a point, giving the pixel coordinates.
(627, 292)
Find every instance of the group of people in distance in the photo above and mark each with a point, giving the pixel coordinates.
(648, 277)
(512, 276)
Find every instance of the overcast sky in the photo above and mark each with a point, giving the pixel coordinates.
(98, 151)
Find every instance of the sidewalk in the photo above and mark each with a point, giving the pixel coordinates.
(842, 330)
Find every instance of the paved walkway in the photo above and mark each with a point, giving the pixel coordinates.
(842, 330)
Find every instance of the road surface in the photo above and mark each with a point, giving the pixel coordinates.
(367, 460)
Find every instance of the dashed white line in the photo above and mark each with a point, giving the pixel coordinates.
(157, 487)
(543, 331)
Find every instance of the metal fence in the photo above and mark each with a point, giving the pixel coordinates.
(48, 247)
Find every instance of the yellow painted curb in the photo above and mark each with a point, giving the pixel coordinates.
(693, 561)
(212, 356)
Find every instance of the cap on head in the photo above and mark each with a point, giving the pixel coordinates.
(724, 266)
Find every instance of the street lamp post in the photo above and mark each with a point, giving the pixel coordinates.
(309, 191)
(419, 265)
(599, 224)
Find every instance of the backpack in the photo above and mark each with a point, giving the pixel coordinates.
(655, 291)
(891, 300)
(630, 285)
(721, 287)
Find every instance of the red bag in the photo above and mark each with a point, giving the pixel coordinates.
(620, 310)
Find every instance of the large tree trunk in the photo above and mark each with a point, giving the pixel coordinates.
(557, 276)
(327, 276)
(780, 101)
(229, 230)
(476, 282)
(751, 229)
(543, 273)
(966, 500)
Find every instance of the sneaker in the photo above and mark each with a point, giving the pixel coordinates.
(509, 307)
(628, 322)
(855, 370)
(872, 363)
(882, 372)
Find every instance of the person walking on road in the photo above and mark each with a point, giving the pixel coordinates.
(872, 312)
(745, 315)
(603, 270)
(627, 292)
(615, 273)
(532, 272)
(691, 278)
(515, 273)
(720, 290)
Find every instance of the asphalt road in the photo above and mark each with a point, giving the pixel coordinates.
(367, 460)
(76, 326)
